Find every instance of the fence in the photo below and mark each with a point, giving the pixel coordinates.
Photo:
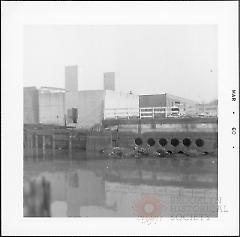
(156, 112)
(152, 112)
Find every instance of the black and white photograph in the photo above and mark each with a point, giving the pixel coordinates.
(130, 128)
(123, 121)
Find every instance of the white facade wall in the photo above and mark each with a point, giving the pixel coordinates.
(120, 104)
(51, 107)
(90, 108)
(95, 105)
(71, 101)
(89, 105)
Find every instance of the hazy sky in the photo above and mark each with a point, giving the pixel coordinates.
(181, 60)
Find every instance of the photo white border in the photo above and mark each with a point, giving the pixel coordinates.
(15, 15)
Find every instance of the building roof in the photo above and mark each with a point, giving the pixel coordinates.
(173, 97)
(30, 88)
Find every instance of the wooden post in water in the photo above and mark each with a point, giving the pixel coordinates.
(36, 144)
(70, 145)
(31, 145)
(43, 144)
(111, 140)
(53, 145)
(37, 198)
(28, 144)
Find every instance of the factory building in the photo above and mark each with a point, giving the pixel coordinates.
(95, 105)
(162, 105)
(72, 107)
(89, 107)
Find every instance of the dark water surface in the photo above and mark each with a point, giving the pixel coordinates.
(96, 186)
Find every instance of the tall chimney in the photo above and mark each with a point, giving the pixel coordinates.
(109, 81)
(71, 78)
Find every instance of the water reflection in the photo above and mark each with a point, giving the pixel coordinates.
(128, 188)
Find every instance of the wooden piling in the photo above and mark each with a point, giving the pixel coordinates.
(36, 144)
(28, 144)
(37, 198)
(53, 145)
(44, 146)
(70, 145)
(32, 152)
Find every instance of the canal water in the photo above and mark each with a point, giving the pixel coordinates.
(90, 185)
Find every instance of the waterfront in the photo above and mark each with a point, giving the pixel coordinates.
(92, 185)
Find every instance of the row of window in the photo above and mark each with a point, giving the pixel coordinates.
(174, 142)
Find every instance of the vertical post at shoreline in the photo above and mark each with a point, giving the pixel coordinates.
(43, 144)
(53, 145)
(36, 144)
(70, 145)
(28, 144)
(31, 145)
(111, 141)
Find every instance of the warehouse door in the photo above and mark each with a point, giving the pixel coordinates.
(73, 115)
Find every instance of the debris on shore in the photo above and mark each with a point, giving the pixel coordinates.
(140, 152)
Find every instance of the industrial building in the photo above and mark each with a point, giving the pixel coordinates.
(89, 107)
(162, 105)
(95, 105)
(45, 105)
(74, 107)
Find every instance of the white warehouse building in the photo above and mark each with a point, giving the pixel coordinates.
(89, 107)
(82, 109)
(95, 105)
